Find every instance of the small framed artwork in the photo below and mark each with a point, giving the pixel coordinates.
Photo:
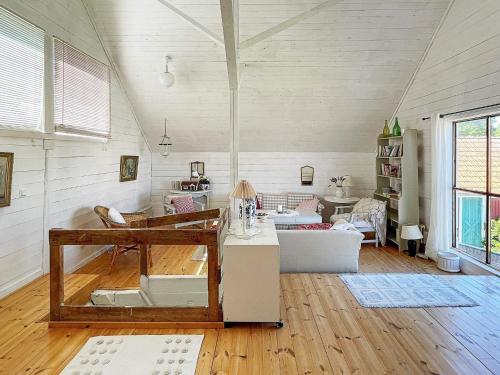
(128, 167)
(6, 164)
(306, 175)
(197, 169)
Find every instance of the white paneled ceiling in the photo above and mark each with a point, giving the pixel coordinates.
(324, 84)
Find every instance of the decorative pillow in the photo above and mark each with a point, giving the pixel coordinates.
(318, 226)
(271, 201)
(258, 201)
(294, 199)
(115, 216)
(183, 204)
(310, 205)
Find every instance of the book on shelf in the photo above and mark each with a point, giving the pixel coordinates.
(390, 170)
(393, 151)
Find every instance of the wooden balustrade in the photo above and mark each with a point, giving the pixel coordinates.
(145, 232)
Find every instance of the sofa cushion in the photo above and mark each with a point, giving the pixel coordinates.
(294, 199)
(115, 216)
(271, 201)
(308, 205)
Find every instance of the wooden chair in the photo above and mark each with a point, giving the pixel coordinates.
(102, 212)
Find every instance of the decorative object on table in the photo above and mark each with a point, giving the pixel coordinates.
(128, 167)
(204, 183)
(165, 143)
(386, 132)
(6, 165)
(306, 175)
(448, 261)
(411, 233)
(243, 191)
(346, 186)
(337, 182)
(251, 211)
(167, 79)
(198, 167)
(137, 354)
(396, 130)
(405, 290)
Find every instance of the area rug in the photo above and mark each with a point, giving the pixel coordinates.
(133, 355)
(404, 290)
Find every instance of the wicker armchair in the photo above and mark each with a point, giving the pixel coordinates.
(102, 212)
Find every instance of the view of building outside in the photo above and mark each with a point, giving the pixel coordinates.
(472, 192)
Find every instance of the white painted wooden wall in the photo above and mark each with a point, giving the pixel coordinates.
(269, 172)
(79, 175)
(461, 72)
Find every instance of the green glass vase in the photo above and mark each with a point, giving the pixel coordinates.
(386, 132)
(396, 130)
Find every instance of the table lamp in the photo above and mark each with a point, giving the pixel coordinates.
(346, 185)
(244, 191)
(411, 233)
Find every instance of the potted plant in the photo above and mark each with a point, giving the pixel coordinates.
(204, 183)
(337, 181)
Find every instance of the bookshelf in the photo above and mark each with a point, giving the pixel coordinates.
(399, 173)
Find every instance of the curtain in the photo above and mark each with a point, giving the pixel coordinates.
(440, 227)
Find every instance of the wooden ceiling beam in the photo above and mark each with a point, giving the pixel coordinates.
(286, 24)
(229, 11)
(198, 26)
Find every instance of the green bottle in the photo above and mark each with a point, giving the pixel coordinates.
(396, 130)
(387, 132)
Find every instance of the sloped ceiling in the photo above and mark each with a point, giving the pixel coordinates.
(325, 84)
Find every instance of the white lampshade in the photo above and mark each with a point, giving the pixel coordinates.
(347, 181)
(167, 79)
(411, 232)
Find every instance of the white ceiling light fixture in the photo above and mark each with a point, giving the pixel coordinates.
(167, 79)
(166, 143)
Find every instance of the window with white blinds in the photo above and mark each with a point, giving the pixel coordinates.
(21, 73)
(81, 92)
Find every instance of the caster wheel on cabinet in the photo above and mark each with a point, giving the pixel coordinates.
(278, 324)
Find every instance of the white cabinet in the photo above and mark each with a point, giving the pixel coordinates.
(251, 277)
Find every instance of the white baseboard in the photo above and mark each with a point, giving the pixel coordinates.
(13, 286)
(86, 260)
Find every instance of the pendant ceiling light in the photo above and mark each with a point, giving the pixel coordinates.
(166, 143)
(167, 79)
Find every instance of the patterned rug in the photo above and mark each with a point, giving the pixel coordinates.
(133, 355)
(404, 290)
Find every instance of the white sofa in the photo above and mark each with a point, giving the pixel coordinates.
(321, 251)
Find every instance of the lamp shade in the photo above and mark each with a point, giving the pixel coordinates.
(167, 79)
(411, 232)
(243, 190)
(347, 181)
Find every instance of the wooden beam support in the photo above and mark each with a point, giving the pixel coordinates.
(229, 26)
(198, 26)
(286, 24)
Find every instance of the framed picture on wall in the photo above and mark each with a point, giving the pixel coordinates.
(6, 164)
(128, 167)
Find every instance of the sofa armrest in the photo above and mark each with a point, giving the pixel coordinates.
(169, 209)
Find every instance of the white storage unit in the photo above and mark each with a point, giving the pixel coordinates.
(251, 277)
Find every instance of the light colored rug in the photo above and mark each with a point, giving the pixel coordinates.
(134, 355)
(404, 290)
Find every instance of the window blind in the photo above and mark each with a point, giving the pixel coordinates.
(21, 73)
(81, 92)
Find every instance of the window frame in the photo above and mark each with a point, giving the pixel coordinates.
(488, 194)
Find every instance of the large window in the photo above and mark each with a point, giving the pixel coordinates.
(81, 93)
(21, 73)
(476, 188)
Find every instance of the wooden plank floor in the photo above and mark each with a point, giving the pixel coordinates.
(325, 332)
